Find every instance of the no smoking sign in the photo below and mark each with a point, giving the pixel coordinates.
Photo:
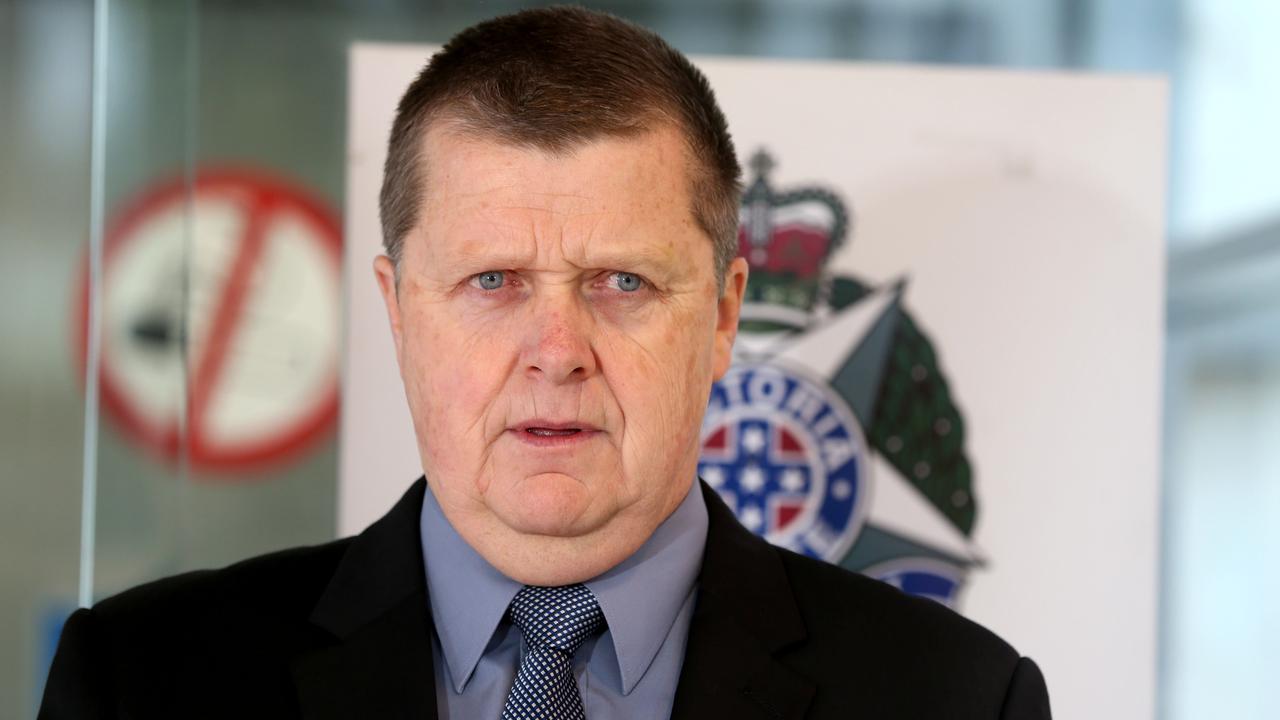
(221, 319)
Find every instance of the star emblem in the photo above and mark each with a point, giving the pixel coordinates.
(792, 480)
(752, 479)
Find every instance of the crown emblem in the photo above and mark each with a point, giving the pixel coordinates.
(787, 239)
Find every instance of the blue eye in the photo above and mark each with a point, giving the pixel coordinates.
(627, 282)
(491, 280)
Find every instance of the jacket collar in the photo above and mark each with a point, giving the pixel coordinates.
(745, 615)
(377, 661)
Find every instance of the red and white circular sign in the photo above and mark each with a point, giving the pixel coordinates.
(221, 320)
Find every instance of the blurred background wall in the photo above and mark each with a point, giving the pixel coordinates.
(260, 86)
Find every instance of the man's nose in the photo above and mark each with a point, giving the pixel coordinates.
(558, 345)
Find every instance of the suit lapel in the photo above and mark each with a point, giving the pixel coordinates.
(745, 614)
(376, 658)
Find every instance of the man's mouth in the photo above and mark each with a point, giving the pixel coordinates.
(552, 432)
(548, 433)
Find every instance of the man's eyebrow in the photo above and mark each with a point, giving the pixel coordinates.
(488, 244)
(491, 258)
(598, 256)
(647, 257)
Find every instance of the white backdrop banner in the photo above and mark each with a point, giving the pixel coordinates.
(949, 369)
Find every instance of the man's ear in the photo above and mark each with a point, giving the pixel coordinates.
(728, 309)
(385, 272)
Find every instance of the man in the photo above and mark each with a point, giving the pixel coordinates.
(559, 211)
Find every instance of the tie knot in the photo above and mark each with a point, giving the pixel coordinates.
(556, 617)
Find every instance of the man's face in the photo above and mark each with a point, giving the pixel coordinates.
(558, 327)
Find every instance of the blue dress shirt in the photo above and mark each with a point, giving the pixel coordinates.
(629, 671)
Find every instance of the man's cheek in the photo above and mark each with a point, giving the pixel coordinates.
(649, 393)
(465, 361)
(461, 394)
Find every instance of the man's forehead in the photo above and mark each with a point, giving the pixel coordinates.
(520, 239)
(465, 162)
(638, 180)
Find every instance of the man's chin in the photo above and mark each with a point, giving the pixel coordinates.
(555, 529)
(548, 504)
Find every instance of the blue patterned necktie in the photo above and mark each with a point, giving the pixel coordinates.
(555, 621)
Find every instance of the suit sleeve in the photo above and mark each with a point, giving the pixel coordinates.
(78, 685)
(1027, 698)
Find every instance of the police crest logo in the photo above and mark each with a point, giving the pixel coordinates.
(836, 398)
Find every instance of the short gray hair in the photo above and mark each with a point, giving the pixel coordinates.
(553, 78)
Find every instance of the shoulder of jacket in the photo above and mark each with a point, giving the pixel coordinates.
(280, 581)
(839, 602)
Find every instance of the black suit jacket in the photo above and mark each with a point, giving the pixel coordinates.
(343, 630)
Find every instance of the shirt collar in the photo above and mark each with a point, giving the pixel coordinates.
(666, 566)
(469, 597)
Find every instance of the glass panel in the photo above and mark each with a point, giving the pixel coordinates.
(219, 388)
(44, 222)
(140, 475)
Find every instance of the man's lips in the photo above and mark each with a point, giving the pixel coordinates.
(550, 432)
(546, 433)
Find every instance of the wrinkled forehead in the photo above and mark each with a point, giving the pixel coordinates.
(458, 137)
(610, 190)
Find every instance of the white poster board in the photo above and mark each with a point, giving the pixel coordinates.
(1017, 220)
